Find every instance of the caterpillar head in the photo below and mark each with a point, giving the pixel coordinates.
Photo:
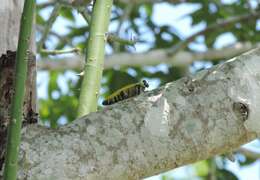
(145, 83)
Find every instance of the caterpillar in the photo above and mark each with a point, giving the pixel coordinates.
(126, 92)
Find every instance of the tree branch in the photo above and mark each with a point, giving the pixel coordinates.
(49, 23)
(191, 119)
(62, 51)
(248, 153)
(60, 37)
(155, 57)
(213, 27)
(114, 38)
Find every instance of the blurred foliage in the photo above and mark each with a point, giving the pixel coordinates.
(140, 24)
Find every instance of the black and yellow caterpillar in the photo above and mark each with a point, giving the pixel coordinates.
(126, 92)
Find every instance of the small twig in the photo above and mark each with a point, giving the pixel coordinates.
(45, 4)
(222, 23)
(84, 13)
(57, 52)
(248, 153)
(49, 23)
(61, 38)
(124, 17)
(113, 38)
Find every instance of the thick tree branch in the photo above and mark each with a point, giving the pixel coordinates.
(155, 57)
(189, 120)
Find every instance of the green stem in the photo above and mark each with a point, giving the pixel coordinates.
(94, 57)
(113, 38)
(84, 13)
(57, 52)
(14, 129)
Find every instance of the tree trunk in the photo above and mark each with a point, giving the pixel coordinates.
(182, 122)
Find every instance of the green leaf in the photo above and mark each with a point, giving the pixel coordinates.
(67, 13)
(202, 168)
(223, 174)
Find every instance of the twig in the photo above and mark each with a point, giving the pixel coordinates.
(53, 16)
(45, 4)
(61, 38)
(123, 18)
(248, 153)
(213, 27)
(109, 36)
(84, 13)
(57, 52)
(113, 38)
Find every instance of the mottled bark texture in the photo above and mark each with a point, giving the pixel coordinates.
(7, 66)
(182, 122)
(10, 13)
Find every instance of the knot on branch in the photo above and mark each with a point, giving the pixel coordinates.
(8, 59)
(241, 110)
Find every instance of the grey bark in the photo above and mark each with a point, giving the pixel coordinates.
(10, 13)
(182, 122)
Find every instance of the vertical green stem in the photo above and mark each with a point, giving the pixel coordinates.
(14, 129)
(95, 57)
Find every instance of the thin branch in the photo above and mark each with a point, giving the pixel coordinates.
(61, 38)
(57, 52)
(109, 36)
(123, 18)
(84, 13)
(49, 23)
(221, 23)
(249, 153)
(45, 4)
(114, 38)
